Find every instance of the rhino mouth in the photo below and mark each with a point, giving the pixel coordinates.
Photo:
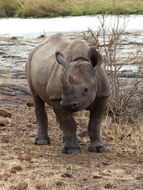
(72, 107)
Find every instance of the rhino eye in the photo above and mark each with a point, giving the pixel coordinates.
(85, 89)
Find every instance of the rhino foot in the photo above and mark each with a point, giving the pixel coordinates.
(71, 150)
(98, 149)
(42, 140)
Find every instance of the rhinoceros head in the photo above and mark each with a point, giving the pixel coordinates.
(79, 82)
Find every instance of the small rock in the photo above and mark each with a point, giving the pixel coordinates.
(109, 138)
(5, 113)
(2, 123)
(29, 166)
(66, 175)
(41, 36)
(22, 186)
(141, 70)
(39, 185)
(109, 186)
(12, 171)
(4, 177)
(59, 183)
(30, 104)
(14, 38)
(97, 177)
(139, 176)
(48, 174)
(5, 140)
(15, 169)
(26, 157)
(128, 171)
(29, 126)
(105, 163)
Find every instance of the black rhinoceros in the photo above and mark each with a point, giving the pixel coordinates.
(68, 76)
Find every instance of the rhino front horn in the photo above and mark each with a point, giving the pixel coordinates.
(64, 82)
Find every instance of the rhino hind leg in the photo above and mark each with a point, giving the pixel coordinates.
(42, 137)
(68, 127)
(96, 113)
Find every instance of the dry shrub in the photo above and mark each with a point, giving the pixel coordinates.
(127, 137)
(125, 101)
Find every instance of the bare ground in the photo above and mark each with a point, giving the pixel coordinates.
(24, 165)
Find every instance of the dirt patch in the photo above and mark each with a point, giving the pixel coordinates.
(28, 166)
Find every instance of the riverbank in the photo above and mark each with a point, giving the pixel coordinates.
(15, 50)
(54, 8)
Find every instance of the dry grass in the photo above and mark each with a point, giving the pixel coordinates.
(42, 167)
(44, 8)
(50, 8)
(8, 7)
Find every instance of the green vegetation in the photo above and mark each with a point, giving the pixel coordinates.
(51, 8)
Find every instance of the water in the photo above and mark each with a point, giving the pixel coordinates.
(131, 68)
(35, 27)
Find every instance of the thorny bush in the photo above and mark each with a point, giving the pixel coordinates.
(124, 104)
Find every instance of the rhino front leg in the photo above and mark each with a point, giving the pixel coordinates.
(68, 126)
(96, 112)
(42, 136)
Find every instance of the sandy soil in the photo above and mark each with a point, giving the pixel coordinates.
(24, 165)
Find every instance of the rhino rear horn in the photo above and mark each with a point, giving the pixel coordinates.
(94, 57)
(60, 59)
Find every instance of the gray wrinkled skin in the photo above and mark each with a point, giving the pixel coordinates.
(68, 76)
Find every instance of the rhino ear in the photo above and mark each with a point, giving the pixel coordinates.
(94, 57)
(60, 59)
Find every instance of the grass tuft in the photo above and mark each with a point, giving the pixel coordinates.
(44, 8)
(8, 8)
(52, 8)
